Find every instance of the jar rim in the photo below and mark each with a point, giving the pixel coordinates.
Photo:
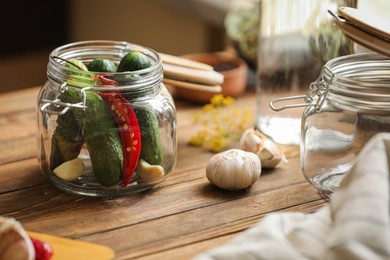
(360, 81)
(89, 49)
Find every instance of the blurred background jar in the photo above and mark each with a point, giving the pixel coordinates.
(241, 24)
(295, 39)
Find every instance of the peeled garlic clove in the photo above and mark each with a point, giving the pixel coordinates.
(70, 170)
(269, 153)
(149, 172)
(233, 169)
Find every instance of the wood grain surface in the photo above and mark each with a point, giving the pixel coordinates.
(180, 218)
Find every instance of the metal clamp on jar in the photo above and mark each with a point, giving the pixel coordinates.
(347, 105)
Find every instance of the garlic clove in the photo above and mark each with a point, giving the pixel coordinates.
(250, 141)
(149, 172)
(70, 170)
(268, 159)
(233, 169)
(265, 154)
(268, 151)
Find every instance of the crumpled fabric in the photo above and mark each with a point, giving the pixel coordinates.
(355, 224)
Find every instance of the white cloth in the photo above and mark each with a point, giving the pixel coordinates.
(355, 224)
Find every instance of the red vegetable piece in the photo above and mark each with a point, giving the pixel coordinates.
(106, 81)
(129, 132)
(43, 250)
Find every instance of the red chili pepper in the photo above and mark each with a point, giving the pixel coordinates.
(129, 132)
(43, 250)
(106, 81)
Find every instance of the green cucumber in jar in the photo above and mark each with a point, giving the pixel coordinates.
(132, 61)
(67, 138)
(94, 126)
(151, 150)
(101, 136)
(66, 141)
(101, 65)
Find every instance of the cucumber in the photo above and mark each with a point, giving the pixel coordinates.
(101, 136)
(101, 65)
(132, 61)
(94, 126)
(151, 150)
(79, 64)
(106, 155)
(67, 140)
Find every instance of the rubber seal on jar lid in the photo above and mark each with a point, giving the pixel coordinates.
(364, 28)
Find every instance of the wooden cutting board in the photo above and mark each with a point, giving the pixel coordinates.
(64, 248)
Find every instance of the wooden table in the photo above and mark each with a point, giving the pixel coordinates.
(180, 218)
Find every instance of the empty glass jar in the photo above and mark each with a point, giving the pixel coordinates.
(347, 105)
(105, 133)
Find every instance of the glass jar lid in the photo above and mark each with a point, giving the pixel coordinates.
(86, 51)
(360, 82)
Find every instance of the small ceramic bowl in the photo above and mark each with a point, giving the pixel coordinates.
(235, 72)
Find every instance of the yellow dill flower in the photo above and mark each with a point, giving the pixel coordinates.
(205, 122)
(199, 139)
(246, 119)
(236, 112)
(215, 119)
(220, 100)
(217, 143)
(220, 130)
(196, 118)
(219, 123)
(208, 107)
(227, 101)
(216, 100)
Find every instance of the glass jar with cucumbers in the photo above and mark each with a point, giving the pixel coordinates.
(106, 122)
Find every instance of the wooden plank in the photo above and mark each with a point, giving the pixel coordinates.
(18, 149)
(204, 222)
(24, 122)
(188, 251)
(20, 175)
(16, 101)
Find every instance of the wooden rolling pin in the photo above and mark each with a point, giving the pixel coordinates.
(185, 73)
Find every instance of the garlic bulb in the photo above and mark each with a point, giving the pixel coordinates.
(269, 153)
(233, 169)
